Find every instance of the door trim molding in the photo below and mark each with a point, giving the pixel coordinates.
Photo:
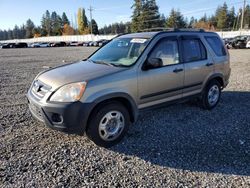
(169, 91)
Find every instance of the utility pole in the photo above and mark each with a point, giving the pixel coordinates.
(90, 12)
(242, 15)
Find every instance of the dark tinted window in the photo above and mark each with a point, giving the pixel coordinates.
(193, 50)
(167, 51)
(217, 46)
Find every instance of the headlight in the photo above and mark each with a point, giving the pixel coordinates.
(69, 93)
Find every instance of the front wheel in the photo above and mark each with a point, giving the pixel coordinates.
(108, 124)
(211, 95)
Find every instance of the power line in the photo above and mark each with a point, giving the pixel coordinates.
(207, 9)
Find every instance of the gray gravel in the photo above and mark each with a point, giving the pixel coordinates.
(177, 146)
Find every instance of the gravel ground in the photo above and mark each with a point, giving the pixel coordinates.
(177, 146)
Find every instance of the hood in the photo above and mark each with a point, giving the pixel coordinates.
(75, 72)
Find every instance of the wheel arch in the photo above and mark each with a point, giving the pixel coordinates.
(218, 77)
(123, 98)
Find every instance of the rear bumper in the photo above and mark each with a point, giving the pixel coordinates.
(66, 117)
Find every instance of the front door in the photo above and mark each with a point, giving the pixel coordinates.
(162, 84)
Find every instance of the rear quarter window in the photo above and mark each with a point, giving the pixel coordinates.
(217, 46)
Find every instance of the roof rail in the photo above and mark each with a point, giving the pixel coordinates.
(172, 29)
(157, 29)
(191, 30)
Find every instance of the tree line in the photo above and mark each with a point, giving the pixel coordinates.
(52, 24)
(145, 15)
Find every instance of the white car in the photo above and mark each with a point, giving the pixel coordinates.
(44, 44)
(248, 44)
(74, 43)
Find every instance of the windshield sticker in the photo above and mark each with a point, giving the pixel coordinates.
(141, 41)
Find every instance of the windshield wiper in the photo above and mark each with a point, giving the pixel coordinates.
(100, 62)
(118, 65)
(109, 64)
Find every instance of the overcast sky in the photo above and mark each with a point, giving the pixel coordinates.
(16, 12)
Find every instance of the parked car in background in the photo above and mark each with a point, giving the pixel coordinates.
(86, 43)
(248, 44)
(8, 45)
(238, 42)
(227, 42)
(21, 45)
(91, 43)
(44, 44)
(58, 44)
(35, 45)
(104, 94)
(74, 43)
(95, 43)
(103, 42)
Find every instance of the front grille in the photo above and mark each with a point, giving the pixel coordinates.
(39, 89)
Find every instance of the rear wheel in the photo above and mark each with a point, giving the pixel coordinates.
(211, 95)
(108, 124)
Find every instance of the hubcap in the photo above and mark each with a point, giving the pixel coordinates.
(213, 95)
(111, 125)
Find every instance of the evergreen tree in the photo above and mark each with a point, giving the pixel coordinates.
(175, 20)
(65, 19)
(3, 35)
(151, 17)
(16, 32)
(36, 32)
(213, 21)
(10, 34)
(95, 30)
(146, 15)
(82, 21)
(204, 18)
(191, 22)
(56, 24)
(231, 19)
(116, 28)
(46, 24)
(222, 13)
(247, 17)
(29, 27)
(23, 32)
(136, 24)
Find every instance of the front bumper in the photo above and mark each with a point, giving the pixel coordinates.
(66, 117)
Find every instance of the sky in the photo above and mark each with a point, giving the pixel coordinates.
(16, 12)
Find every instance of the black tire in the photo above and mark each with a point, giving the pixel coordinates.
(98, 114)
(205, 98)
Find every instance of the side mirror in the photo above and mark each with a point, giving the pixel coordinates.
(152, 63)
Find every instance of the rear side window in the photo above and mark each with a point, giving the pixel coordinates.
(217, 46)
(193, 50)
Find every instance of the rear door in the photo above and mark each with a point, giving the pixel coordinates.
(163, 83)
(198, 64)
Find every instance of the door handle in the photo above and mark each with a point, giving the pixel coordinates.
(177, 70)
(209, 64)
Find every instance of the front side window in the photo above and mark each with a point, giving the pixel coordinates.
(167, 51)
(120, 51)
(193, 50)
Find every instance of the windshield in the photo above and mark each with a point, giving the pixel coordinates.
(120, 51)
